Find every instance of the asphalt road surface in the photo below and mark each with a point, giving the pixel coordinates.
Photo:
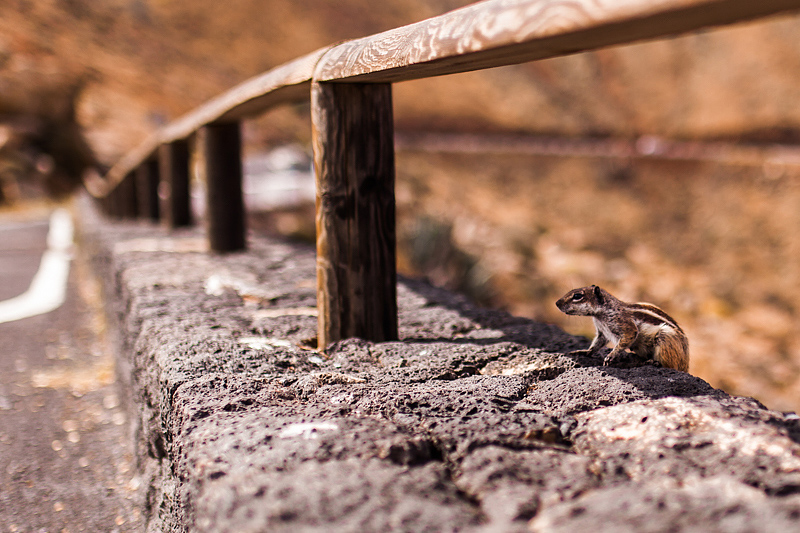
(66, 462)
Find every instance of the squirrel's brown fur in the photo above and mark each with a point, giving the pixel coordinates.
(641, 328)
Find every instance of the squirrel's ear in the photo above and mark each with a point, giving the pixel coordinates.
(598, 293)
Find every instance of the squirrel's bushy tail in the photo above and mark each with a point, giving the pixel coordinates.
(672, 350)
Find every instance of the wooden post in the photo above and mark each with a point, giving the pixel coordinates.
(147, 189)
(127, 197)
(173, 159)
(222, 155)
(353, 137)
(105, 205)
(111, 203)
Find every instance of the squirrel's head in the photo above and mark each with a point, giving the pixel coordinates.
(584, 301)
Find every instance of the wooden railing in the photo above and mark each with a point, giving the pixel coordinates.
(349, 86)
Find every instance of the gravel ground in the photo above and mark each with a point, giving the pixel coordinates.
(67, 460)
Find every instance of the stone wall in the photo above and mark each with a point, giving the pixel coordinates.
(474, 420)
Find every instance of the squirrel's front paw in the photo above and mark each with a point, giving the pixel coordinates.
(610, 358)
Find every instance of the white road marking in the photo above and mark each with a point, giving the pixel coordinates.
(49, 286)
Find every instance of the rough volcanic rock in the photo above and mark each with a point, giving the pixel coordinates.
(710, 505)
(474, 420)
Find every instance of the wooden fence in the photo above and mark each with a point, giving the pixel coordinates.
(349, 86)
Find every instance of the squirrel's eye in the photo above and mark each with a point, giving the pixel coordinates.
(577, 297)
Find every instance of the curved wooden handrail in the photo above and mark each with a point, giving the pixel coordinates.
(486, 34)
(494, 33)
(288, 83)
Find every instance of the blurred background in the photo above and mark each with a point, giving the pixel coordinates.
(666, 172)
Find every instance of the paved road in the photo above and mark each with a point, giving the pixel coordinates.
(65, 456)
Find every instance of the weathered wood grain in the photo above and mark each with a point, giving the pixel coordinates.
(502, 32)
(353, 139)
(222, 156)
(288, 83)
(174, 189)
